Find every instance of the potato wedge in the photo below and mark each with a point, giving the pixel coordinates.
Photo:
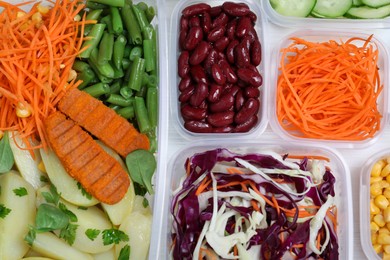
(108, 255)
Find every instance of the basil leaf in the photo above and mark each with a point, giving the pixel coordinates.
(4, 211)
(20, 192)
(69, 233)
(50, 218)
(124, 253)
(92, 233)
(111, 236)
(141, 165)
(6, 155)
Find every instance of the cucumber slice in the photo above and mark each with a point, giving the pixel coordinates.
(296, 8)
(365, 12)
(332, 8)
(357, 2)
(376, 3)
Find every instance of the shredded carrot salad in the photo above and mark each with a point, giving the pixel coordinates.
(329, 90)
(37, 51)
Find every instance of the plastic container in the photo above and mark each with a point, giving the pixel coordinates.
(324, 36)
(365, 231)
(314, 22)
(174, 78)
(337, 164)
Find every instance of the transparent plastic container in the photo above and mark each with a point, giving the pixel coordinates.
(365, 231)
(324, 36)
(343, 200)
(314, 22)
(174, 78)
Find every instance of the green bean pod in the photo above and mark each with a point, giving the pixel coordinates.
(131, 24)
(86, 76)
(106, 48)
(126, 92)
(92, 5)
(140, 16)
(117, 25)
(95, 35)
(80, 66)
(119, 51)
(92, 15)
(152, 105)
(115, 87)
(135, 52)
(97, 90)
(117, 3)
(116, 99)
(104, 69)
(126, 112)
(149, 55)
(126, 64)
(150, 13)
(136, 73)
(141, 115)
(108, 22)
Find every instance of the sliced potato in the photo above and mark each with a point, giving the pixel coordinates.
(37, 258)
(139, 206)
(51, 246)
(108, 255)
(65, 184)
(27, 166)
(138, 227)
(14, 226)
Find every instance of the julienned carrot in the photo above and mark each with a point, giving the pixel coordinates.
(329, 90)
(37, 50)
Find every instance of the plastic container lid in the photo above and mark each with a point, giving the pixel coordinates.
(321, 36)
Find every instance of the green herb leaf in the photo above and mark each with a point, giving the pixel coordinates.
(113, 235)
(6, 155)
(82, 208)
(124, 253)
(92, 233)
(70, 214)
(83, 191)
(20, 192)
(44, 179)
(145, 203)
(52, 196)
(139, 189)
(141, 165)
(50, 218)
(69, 233)
(31, 235)
(4, 211)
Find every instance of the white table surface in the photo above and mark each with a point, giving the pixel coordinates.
(355, 158)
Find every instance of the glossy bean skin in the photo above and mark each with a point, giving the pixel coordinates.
(221, 44)
(231, 77)
(193, 38)
(186, 94)
(250, 108)
(217, 74)
(198, 74)
(182, 39)
(205, 22)
(183, 66)
(230, 51)
(184, 83)
(251, 92)
(221, 20)
(211, 59)
(246, 126)
(244, 25)
(224, 129)
(194, 21)
(193, 113)
(235, 9)
(221, 119)
(216, 33)
(250, 76)
(226, 102)
(239, 100)
(197, 126)
(200, 53)
(215, 93)
(252, 16)
(231, 29)
(200, 93)
(195, 9)
(215, 11)
(184, 23)
(255, 53)
(242, 56)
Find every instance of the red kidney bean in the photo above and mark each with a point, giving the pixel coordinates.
(239, 100)
(251, 92)
(216, 33)
(242, 56)
(184, 83)
(217, 74)
(252, 16)
(210, 60)
(183, 67)
(255, 53)
(186, 94)
(193, 113)
(228, 71)
(224, 129)
(195, 9)
(221, 119)
(246, 126)
(200, 53)
(221, 56)
(201, 92)
(214, 93)
(183, 23)
(253, 35)
(221, 20)
(182, 39)
(194, 37)
(231, 29)
(198, 74)
(221, 44)
(249, 76)
(198, 126)
(250, 108)
(235, 9)
(247, 41)
(244, 24)
(225, 103)
(206, 22)
(215, 10)
(194, 21)
(230, 51)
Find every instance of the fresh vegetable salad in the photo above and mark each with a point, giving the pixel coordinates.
(78, 129)
(255, 206)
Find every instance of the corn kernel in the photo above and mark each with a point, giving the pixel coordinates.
(77, 18)
(378, 248)
(72, 75)
(374, 237)
(386, 256)
(43, 9)
(383, 230)
(375, 189)
(386, 249)
(385, 171)
(37, 19)
(386, 214)
(381, 202)
(384, 184)
(20, 14)
(23, 110)
(388, 178)
(373, 208)
(41, 167)
(377, 168)
(383, 239)
(378, 219)
(375, 179)
(374, 227)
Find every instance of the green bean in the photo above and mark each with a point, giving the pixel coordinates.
(147, 33)
(126, 92)
(117, 3)
(142, 5)
(152, 105)
(149, 80)
(80, 66)
(136, 72)
(97, 90)
(135, 52)
(148, 56)
(104, 69)
(140, 16)
(117, 25)
(126, 64)
(115, 88)
(131, 24)
(141, 115)
(92, 15)
(153, 144)
(108, 22)
(93, 5)
(119, 100)
(128, 49)
(126, 112)
(118, 73)
(154, 48)
(102, 78)
(150, 13)
(142, 92)
(86, 76)
(114, 107)
(96, 34)
(119, 50)
(106, 48)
